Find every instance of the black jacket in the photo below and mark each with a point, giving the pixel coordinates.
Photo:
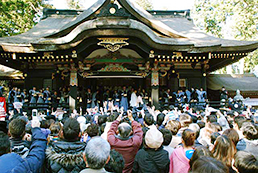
(150, 160)
(64, 157)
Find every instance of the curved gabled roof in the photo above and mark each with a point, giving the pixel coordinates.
(63, 31)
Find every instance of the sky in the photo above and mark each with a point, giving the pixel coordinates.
(157, 4)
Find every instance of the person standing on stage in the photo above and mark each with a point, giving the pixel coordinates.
(47, 95)
(124, 101)
(88, 98)
(33, 96)
(116, 98)
(145, 97)
(134, 99)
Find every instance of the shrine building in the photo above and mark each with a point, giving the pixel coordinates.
(116, 43)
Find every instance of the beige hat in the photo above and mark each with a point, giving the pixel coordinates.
(153, 138)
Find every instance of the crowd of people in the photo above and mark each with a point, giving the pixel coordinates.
(126, 136)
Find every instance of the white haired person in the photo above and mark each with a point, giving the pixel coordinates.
(96, 155)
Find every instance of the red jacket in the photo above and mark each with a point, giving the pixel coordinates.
(128, 148)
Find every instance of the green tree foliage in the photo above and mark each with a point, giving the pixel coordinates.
(18, 16)
(146, 4)
(74, 4)
(229, 19)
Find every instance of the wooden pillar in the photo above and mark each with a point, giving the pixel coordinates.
(73, 89)
(155, 88)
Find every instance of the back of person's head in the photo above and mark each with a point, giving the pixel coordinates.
(88, 118)
(194, 119)
(239, 120)
(102, 128)
(113, 116)
(201, 124)
(250, 130)
(124, 130)
(212, 118)
(71, 129)
(245, 162)
(148, 119)
(188, 137)
(97, 153)
(116, 162)
(209, 165)
(102, 119)
(173, 126)
(153, 138)
(45, 124)
(167, 136)
(55, 128)
(4, 143)
(160, 118)
(92, 130)
(17, 128)
(224, 150)
(185, 120)
(232, 134)
(217, 126)
(194, 127)
(214, 136)
(199, 152)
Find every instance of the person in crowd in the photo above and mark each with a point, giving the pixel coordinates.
(148, 121)
(12, 162)
(224, 150)
(55, 129)
(179, 160)
(246, 162)
(125, 143)
(199, 152)
(160, 120)
(167, 138)
(195, 128)
(66, 155)
(205, 133)
(238, 122)
(249, 142)
(185, 120)
(214, 136)
(152, 158)
(17, 131)
(209, 164)
(232, 135)
(91, 131)
(174, 127)
(116, 162)
(96, 155)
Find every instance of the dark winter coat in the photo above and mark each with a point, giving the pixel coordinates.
(150, 160)
(64, 157)
(20, 146)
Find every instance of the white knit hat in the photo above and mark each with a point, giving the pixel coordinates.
(153, 138)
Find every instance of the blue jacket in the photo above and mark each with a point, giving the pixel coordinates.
(13, 163)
